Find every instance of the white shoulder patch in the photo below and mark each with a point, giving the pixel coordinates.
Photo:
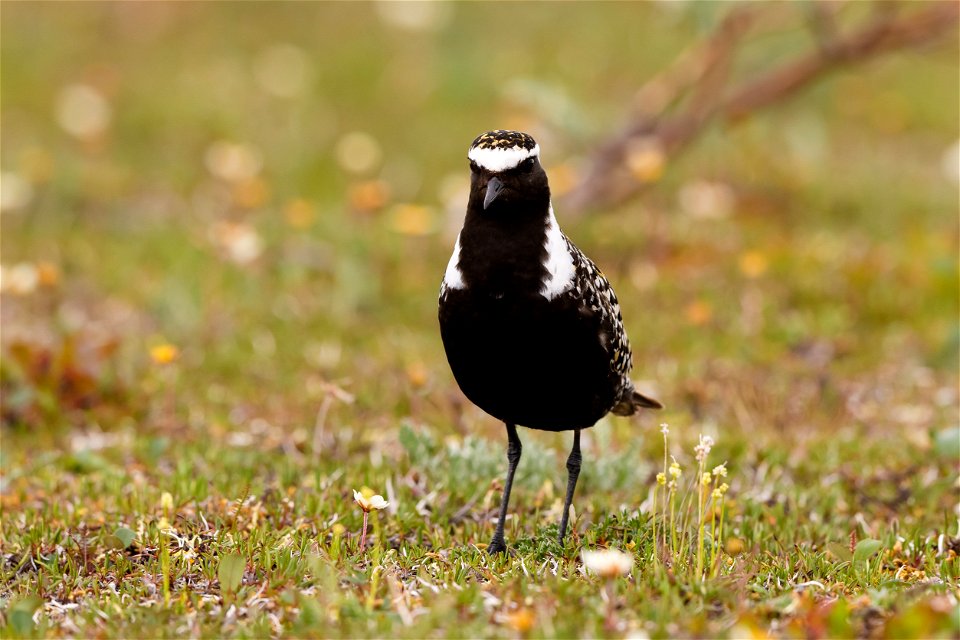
(502, 159)
(559, 265)
(453, 277)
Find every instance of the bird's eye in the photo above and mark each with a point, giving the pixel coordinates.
(528, 164)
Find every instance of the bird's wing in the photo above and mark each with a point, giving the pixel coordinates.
(597, 299)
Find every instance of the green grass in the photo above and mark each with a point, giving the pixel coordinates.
(811, 330)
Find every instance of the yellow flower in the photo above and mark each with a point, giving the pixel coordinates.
(733, 546)
(412, 219)
(607, 563)
(720, 471)
(48, 274)
(646, 159)
(521, 620)
(188, 556)
(417, 374)
(164, 353)
(675, 470)
(753, 264)
(166, 502)
(368, 196)
(368, 504)
(661, 478)
(699, 312)
(251, 193)
(299, 213)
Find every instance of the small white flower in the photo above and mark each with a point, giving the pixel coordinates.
(720, 471)
(20, 279)
(702, 449)
(607, 563)
(664, 428)
(371, 503)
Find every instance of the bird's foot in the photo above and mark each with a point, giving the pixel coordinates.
(497, 545)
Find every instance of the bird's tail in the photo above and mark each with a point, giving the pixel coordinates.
(633, 400)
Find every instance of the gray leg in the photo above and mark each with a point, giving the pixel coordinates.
(514, 448)
(573, 472)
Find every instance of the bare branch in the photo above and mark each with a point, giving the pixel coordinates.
(614, 175)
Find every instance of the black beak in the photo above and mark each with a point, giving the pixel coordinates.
(494, 187)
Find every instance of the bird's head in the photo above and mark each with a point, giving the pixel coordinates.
(506, 172)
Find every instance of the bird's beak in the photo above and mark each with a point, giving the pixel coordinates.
(494, 187)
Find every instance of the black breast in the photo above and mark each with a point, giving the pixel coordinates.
(527, 360)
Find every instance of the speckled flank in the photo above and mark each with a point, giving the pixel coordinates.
(593, 289)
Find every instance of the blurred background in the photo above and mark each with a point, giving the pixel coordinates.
(227, 222)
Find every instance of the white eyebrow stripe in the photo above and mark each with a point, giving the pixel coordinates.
(501, 159)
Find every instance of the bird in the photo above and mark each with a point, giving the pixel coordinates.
(531, 328)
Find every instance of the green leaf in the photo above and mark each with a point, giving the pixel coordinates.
(21, 614)
(230, 572)
(946, 443)
(840, 551)
(865, 549)
(84, 462)
(838, 620)
(408, 439)
(125, 536)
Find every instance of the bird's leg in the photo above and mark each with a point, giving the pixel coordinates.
(514, 448)
(573, 472)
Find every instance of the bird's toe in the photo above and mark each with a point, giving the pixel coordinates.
(496, 546)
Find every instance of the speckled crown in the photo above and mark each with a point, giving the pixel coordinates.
(504, 139)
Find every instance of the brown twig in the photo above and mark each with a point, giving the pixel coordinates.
(703, 73)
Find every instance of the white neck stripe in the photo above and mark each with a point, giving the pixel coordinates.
(501, 159)
(559, 264)
(453, 277)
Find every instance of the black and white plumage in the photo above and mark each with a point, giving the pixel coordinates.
(531, 327)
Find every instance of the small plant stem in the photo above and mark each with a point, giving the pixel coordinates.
(165, 568)
(713, 528)
(700, 522)
(363, 534)
(610, 619)
(171, 398)
(673, 528)
(664, 519)
(374, 584)
(716, 568)
(655, 510)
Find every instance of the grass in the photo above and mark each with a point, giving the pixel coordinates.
(206, 367)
